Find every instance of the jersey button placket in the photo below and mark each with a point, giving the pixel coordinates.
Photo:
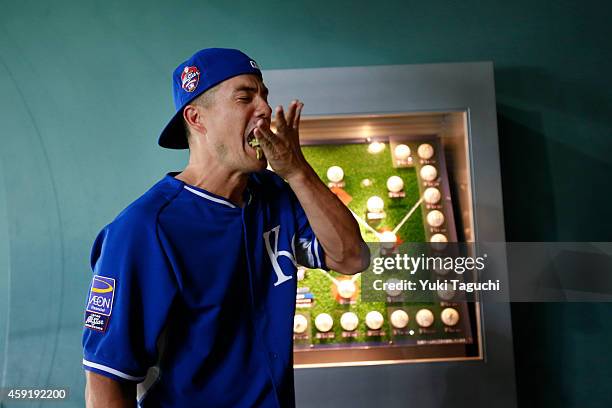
(258, 308)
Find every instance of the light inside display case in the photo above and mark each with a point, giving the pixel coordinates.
(406, 179)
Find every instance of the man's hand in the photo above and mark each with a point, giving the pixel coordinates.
(282, 149)
(331, 221)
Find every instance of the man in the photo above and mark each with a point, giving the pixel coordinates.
(193, 293)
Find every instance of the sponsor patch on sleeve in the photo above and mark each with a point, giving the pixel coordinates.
(100, 303)
(101, 295)
(96, 322)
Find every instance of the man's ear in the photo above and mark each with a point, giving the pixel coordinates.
(193, 117)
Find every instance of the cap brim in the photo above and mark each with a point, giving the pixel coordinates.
(173, 136)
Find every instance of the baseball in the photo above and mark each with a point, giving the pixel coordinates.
(393, 287)
(346, 288)
(300, 323)
(401, 152)
(432, 195)
(335, 174)
(425, 151)
(435, 218)
(438, 238)
(447, 294)
(424, 318)
(375, 204)
(349, 321)
(374, 320)
(399, 319)
(450, 316)
(395, 184)
(376, 147)
(324, 322)
(388, 237)
(429, 173)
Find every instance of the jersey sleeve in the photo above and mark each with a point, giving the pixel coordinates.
(308, 252)
(130, 296)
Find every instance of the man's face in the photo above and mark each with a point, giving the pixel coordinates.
(238, 104)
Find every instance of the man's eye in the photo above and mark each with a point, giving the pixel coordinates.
(244, 98)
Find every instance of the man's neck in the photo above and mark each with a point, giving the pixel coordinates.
(216, 180)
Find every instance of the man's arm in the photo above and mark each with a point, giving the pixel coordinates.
(104, 392)
(330, 220)
(332, 223)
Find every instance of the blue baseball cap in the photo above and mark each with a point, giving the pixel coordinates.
(203, 70)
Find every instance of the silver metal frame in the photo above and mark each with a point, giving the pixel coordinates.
(418, 88)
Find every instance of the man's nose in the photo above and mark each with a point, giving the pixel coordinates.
(264, 110)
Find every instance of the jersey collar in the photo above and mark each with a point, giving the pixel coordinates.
(207, 195)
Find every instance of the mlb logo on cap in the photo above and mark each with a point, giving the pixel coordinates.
(205, 69)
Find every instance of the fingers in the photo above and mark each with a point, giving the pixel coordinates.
(291, 113)
(281, 123)
(296, 121)
(265, 135)
(286, 125)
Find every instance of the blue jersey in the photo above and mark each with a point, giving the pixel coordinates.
(198, 295)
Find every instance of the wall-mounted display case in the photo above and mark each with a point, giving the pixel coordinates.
(404, 177)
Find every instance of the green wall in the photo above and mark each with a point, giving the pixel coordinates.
(85, 90)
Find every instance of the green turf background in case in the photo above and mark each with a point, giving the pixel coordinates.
(358, 164)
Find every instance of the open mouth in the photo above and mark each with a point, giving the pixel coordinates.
(254, 143)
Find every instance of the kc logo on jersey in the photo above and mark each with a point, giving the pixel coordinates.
(190, 78)
(275, 254)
